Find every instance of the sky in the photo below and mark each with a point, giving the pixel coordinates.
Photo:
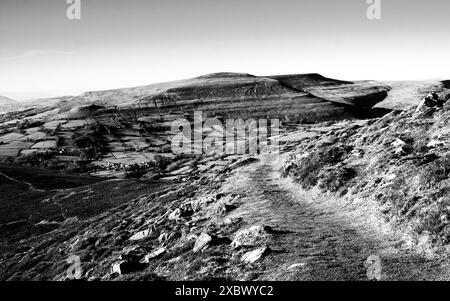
(120, 43)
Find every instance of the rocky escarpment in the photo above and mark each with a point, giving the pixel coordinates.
(302, 81)
(360, 94)
(446, 84)
(303, 97)
(252, 87)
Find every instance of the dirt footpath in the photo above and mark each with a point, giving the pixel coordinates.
(319, 238)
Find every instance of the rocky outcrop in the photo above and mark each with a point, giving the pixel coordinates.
(446, 84)
(255, 255)
(252, 236)
(444, 96)
(202, 242)
(302, 81)
(359, 94)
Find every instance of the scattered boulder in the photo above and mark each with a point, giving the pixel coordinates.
(140, 235)
(184, 211)
(176, 214)
(391, 177)
(399, 151)
(401, 147)
(253, 256)
(297, 266)
(125, 267)
(434, 143)
(202, 202)
(226, 208)
(398, 143)
(133, 253)
(231, 220)
(165, 236)
(357, 153)
(430, 101)
(251, 236)
(155, 254)
(202, 242)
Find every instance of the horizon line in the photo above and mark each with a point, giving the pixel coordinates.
(78, 92)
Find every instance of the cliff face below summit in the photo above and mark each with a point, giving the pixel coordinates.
(306, 97)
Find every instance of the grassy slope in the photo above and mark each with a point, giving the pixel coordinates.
(46, 179)
(411, 188)
(29, 196)
(407, 94)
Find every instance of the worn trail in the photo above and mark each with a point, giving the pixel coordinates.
(319, 241)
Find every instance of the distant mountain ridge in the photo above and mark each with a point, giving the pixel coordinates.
(225, 85)
(7, 101)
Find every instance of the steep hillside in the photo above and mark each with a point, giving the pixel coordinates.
(361, 94)
(302, 81)
(401, 161)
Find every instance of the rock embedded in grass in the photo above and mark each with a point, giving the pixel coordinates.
(165, 236)
(140, 235)
(255, 255)
(182, 212)
(202, 242)
(251, 236)
(297, 266)
(434, 143)
(133, 253)
(226, 208)
(398, 143)
(155, 254)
